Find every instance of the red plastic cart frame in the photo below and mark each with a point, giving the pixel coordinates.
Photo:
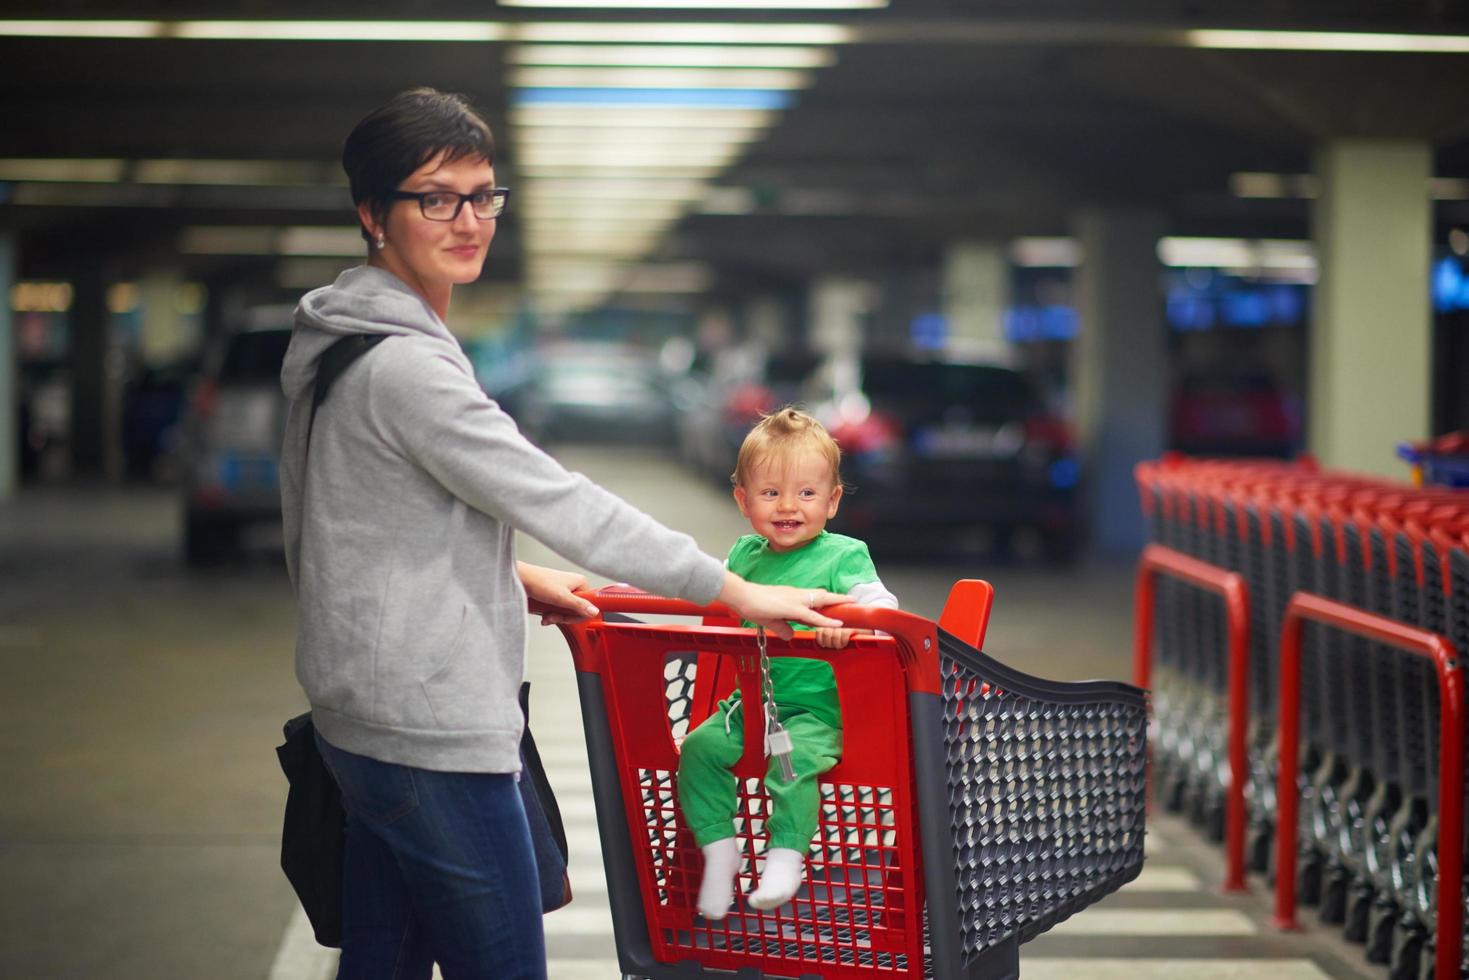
(1303, 608)
(1156, 561)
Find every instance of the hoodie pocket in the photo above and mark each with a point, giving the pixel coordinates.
(474, 687)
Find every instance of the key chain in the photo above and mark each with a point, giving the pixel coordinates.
(777, 739)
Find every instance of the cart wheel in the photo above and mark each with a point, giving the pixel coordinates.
(1359, 903)
(1427, 960)
(1261, 842)
(1407, 942)
(1378, 946)
(1333, 895)
(1308, 876)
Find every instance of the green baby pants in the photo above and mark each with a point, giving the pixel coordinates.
(707, 792)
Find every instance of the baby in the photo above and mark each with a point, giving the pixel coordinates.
(788, 485)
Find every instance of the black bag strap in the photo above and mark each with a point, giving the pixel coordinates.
(334, 361)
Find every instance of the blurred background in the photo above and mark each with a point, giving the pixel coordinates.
(1004, 250)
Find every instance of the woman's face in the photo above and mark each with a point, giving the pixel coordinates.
(434, 256)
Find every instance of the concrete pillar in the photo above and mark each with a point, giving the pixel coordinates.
(9, 368)
(838, 308)
(1119, 367)
(163, 337)
(1371, 333)
(976, 291)
(88, 320)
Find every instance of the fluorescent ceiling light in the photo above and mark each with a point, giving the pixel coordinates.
(261, 30)
(1328, 41)
(344, 240)
(62, 171)
(228, 240)
(568, 229)
(702, 4)
(1308, 186)
(670, 55)
(1237, 253)
(608, 189)
(681, 33)
(579, 171)
(1045, 253)
(669, 277)
(728, 200)
(599, 207)
(266, 173)
(597, 139)
(609, 240)
(703, 99)
(708, 156)
(767, 79)
(339, 30)
(1268, 185)
(549, 115)
(41, 297)
(81, 28)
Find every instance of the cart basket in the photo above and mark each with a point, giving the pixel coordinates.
(974, 806)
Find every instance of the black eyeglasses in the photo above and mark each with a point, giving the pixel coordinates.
(445, 205)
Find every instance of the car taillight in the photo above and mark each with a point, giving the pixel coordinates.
(747, 403)
(871, 433)
(1050, 432)
(206, 399)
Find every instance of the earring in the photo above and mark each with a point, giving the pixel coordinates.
(382, 241)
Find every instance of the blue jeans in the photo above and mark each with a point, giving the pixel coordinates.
(439, 868)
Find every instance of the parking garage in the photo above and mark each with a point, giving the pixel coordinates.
(1064, 283)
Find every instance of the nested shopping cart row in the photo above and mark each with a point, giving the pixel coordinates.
(974, 806)
(1376, 575)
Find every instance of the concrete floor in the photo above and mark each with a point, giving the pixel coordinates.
(140, 705)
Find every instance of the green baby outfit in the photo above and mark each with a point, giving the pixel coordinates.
(805, 696)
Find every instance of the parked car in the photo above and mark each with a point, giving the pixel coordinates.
(44, 419)
(933, 450)
(233, 429)
(153, 406)
(593, 392)
(742, 386)
(1234, 413)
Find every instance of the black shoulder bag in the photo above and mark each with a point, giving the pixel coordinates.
(313, 834)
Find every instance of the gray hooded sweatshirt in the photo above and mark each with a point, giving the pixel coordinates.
(400, 536)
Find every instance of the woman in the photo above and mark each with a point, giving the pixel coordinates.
(400, 544)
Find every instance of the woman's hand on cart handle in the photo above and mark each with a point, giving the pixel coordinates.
(556, 589)
(772, 606)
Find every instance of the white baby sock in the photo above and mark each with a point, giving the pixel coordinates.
(785, 869)
(716, 890)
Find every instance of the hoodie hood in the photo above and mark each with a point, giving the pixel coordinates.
(364, 299)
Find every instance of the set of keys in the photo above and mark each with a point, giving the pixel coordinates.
(777, 739)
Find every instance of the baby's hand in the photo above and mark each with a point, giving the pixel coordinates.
(833, 637)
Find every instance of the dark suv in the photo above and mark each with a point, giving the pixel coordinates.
(232, 434)
(948, 448)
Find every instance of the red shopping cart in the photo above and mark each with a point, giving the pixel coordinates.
(974, 806)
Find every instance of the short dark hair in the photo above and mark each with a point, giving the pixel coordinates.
(403, 134)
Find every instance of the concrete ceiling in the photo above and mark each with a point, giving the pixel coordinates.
(945, 119)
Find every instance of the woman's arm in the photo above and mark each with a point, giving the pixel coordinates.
(771, 606)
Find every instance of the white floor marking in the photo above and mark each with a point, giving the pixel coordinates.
(299, 957)
(1142, 969)
(1164, 878)
(1157, 922)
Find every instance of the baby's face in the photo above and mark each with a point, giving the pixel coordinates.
(789, 503)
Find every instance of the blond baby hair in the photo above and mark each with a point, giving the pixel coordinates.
(781, 437)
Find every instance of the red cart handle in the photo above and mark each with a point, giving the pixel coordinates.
(622, 599)
(917, 637)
